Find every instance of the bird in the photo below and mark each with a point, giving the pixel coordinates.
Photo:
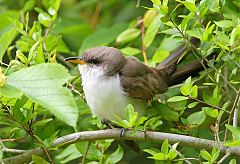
(112, 81)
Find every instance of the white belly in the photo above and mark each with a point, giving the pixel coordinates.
(105, 96)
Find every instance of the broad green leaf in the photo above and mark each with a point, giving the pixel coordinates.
(224, 23)
(149, 17)
(164, 147)
(129, 112)
(197, 33)
(158, 156)
(234, 36)
(102, 37)
(211, 112)
(165, 111)
(44, 19)
(172, 154)
(152, 30)
(185, 90)
(233, 161)
(213, 5)
(232, 143)
(128, 35)
(39, 160)
(130, 51)
(43, 84)
(190, 6)
(235, 131)
(116, 156)
(160, 55)
(194, 91)
(196, 118)
(42, 122)
(177, 98)
(5, 41)
(205, 155)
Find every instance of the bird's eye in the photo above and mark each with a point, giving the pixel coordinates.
(93, 61)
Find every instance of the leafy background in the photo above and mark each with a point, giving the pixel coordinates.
(40, 99)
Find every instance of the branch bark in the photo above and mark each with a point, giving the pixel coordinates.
(129, 135)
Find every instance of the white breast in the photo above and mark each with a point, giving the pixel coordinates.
(104, 94)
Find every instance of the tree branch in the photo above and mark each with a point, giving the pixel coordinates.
(129, 135)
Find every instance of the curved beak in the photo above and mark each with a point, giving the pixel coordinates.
(77, 60)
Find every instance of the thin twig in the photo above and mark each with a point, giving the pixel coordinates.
(236, 111)
(207, 104)
(181, 156)
(12, 139)
(223, 158)
(86, 152)
(96, 13)
(231, 113)
(143, 45)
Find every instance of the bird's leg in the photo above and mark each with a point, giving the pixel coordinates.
(107, 123)
(122, 133)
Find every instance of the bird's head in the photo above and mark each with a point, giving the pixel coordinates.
(108, 59)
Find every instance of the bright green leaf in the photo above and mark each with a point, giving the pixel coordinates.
(224, 23)
(130, 51)
(128, 35)
(43, 84)
(196, 118)
(177, 98)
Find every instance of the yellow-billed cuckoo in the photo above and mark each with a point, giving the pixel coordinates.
(111, 81)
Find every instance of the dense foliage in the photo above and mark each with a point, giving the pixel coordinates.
(40, 100)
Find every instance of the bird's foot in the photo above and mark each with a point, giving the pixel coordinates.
(107, 123)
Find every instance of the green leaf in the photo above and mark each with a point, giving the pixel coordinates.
(130, 51)
(150, 151)
(44, 19)
(149, 17)
(42, 122)
(185, 90)
(158, 156)
(5, 40)
(43, 84)
(235, 131)
(152, 30)
(164, 147)
(172, 154)
(191, 105)
(165, 111)
(234, 36)
(190, 6)
(196, 118)
(211, 112)
(224, 23)
(177, 98)
(215, 154)
(232, 143)
(116, 156)
(156, 2)
(133, 120)
(213, 5)
(128, 35)
(120, 122)
(130, 112)
(205, 155)
(233, 161)
(160, 55)
(102, 37)
(194, 91)
(39, 160)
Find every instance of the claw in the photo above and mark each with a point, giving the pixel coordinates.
(122, 132)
